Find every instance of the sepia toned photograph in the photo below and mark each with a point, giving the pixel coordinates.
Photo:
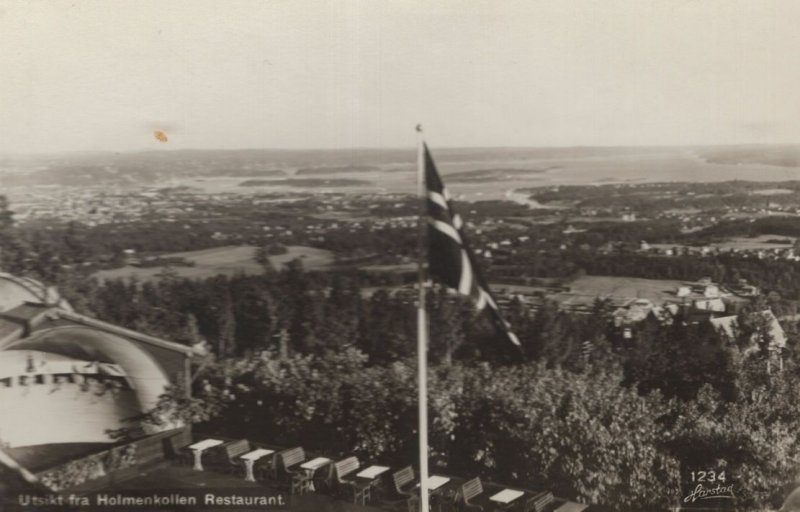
(401, 255)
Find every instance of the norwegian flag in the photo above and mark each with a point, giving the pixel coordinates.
(450, 258)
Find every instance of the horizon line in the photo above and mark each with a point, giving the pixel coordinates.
(387, 148)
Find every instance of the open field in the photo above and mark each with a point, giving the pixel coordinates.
(585, 289)
(312, 258)
(228, 260)
(657, 290)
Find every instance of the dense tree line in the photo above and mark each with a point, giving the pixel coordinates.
(311, 313)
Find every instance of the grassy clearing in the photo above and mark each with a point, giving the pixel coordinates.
(228, 260)
(657, 290)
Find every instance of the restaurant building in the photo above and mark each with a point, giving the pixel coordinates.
(70, 384)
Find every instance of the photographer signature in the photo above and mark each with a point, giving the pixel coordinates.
(702, 492)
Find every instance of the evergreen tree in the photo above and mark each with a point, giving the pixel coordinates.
(446, 333)
(11, 254)
(226, 327)
(251, 304)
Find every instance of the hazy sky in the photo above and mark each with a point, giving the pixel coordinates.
(103, 75)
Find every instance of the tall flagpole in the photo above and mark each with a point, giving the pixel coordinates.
(422, 329)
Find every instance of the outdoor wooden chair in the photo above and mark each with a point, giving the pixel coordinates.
(468, 492)
(232, 452)
(345, 471)
(405, 491)
(177, 447)
(539, 502)
(289, 462)
(404, 481)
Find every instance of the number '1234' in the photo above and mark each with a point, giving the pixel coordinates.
(709, 476)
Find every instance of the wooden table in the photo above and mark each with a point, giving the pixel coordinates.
(311, 467)
(571, 506)
(250, 459)
(438, 486)
(372, 472)
(436, 481)
(506, 496)
(199, 448)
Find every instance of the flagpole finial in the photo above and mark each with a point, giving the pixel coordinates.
(419, 128)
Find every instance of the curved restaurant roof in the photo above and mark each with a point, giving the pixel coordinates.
(15, 291)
